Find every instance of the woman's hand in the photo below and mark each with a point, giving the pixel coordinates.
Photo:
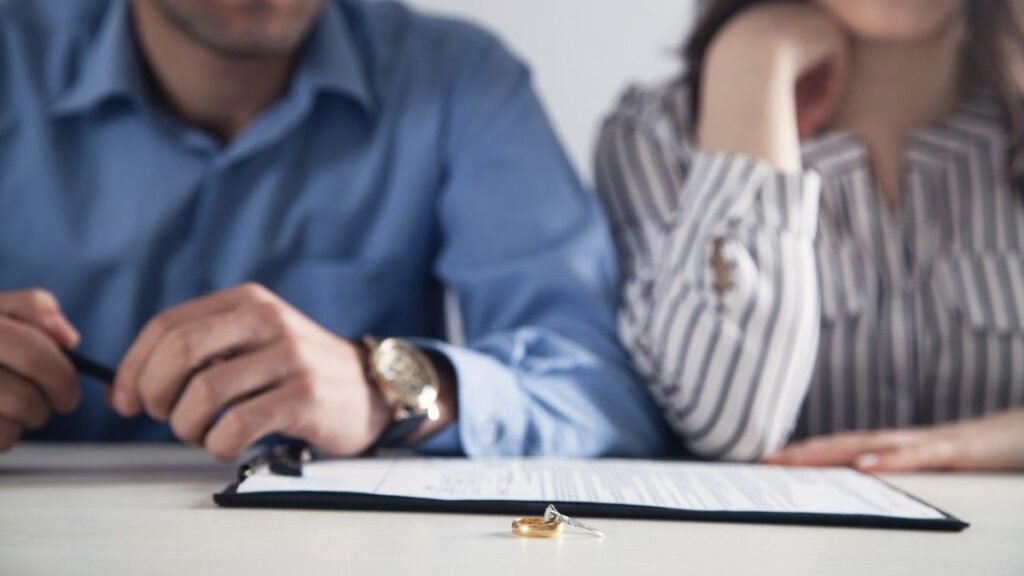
(991, 443)
(772, 75)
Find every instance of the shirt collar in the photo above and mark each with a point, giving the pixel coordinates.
(330, 62)
(976, 127)
(110, 66)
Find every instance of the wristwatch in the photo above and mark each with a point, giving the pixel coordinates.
(409, 382)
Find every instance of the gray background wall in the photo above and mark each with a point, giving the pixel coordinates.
(582, 52)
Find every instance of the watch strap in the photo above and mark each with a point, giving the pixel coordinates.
(399, 430)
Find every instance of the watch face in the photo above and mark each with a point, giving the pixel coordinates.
(407, 372)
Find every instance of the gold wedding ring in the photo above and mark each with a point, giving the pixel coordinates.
(550, 525)
(533, 527)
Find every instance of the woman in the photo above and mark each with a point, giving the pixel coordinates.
(822, 233)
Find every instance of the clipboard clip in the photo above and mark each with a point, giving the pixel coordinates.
(279, 459)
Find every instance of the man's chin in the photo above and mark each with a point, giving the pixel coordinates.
(252, 34)
(251, 48)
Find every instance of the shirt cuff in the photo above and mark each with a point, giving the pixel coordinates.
(492, 417)
(732, 187)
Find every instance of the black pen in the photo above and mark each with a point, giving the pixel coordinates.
(91, 368)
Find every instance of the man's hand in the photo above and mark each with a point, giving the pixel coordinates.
(36, 378)
(230, 368)
(992, 443)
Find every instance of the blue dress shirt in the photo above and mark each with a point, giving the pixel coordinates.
(409, 155)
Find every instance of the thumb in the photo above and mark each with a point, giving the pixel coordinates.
(41, 309)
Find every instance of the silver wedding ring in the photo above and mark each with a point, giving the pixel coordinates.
(551, 514)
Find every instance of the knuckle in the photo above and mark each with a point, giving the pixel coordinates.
(21, 402)
(158, 326)
(273, 316)
(221, 450)
(236, 424)
(13, 399)
(182, 428)
(157, 402)
(40, 300)
(304, 387)
(203, 389)
(33, 360)
(178, 426)
(946, 450)
(9, 435)
(39, 417)
(158, 406)
(67, 400)
(294, 353)
(68, 389)
(255, 291)
(183, 343)
(36, 361)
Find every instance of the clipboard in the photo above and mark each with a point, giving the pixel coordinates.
(295, 480)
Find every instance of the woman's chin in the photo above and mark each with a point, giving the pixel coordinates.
(893, 20)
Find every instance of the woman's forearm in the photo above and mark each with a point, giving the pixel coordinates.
(750, 77)
(750, 109)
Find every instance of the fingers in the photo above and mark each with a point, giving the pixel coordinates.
(838, 450)
(22, 402)
(931, 453)
(125, 393)
(223, 384)
(41, 309)
(185, 338)
(825, 451)
(10, 433)
(273, 411)
(194, 345)
(27, 352)
(989, 443)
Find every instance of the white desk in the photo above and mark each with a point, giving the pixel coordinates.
(148, 510)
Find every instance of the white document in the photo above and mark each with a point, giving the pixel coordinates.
(711, 487)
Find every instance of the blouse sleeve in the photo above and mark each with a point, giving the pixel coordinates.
(729, 368)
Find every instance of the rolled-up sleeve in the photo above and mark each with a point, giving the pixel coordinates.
(527, 254)
(729, 365)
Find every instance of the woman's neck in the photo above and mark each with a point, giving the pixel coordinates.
(894, 88)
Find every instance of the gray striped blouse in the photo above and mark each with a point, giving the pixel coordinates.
(842, 313)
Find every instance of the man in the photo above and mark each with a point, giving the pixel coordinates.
(230, 194)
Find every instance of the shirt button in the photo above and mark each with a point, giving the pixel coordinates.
(490, 432)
